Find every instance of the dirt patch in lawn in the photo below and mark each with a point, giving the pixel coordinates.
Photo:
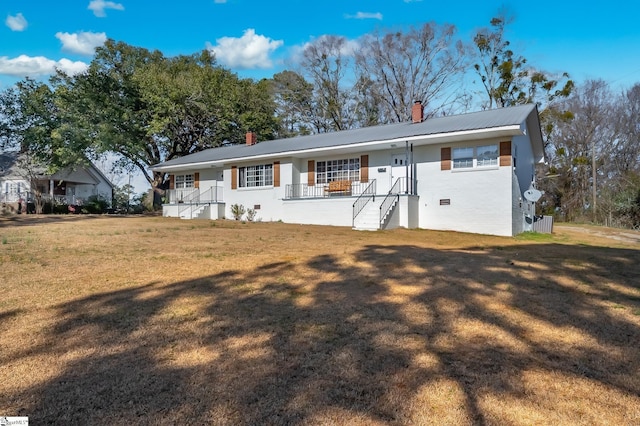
(160, 321)
(625, 235)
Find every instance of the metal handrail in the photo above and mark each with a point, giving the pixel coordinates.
(189, 200)
(388, 201)
(362, 200)
(182, 195)
(209, 196)
(303, 190)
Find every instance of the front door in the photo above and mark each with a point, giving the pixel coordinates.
(70, 194)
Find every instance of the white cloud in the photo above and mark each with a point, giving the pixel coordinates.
(84, 43)
(98, 7)
(219, 1)
(35, 66)
(71, 67)
(365, 15)
(16, 23)
(347, 49)
(296, 53)
(247, 52)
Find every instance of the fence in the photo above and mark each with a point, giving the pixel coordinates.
(543, 224)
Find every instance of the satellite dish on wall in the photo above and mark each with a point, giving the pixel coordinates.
(532, 194)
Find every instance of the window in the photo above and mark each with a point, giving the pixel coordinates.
(462, 158)
(332, 170)
(480, 156)
(487, 155)
(12, 188)
(253, 176)
(184, 181)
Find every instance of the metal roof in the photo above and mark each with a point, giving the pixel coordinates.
(496, 118)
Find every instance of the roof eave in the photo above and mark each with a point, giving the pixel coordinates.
(438, 138)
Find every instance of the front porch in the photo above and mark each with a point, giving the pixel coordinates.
(342, 188)
(55, 199)
(213, 194)
(402, 185)
(194, 203)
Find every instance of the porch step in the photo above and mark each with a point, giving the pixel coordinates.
(369, 217)
(193, 212)
(203, 213)
(391, 209)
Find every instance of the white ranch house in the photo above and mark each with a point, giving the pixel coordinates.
(463, 173)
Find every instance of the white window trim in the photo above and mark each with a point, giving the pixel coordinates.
(322, 177)
(184, 181)
(265, 179)
(474, 160)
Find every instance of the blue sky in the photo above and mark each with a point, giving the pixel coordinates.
(259, 38)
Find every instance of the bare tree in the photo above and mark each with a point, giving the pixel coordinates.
(424, 64)
(619, 199)
(577, 148)
(326, 61)
(624, 151)
(293, 96)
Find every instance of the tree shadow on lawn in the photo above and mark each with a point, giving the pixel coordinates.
(43, 219)
(395, 334)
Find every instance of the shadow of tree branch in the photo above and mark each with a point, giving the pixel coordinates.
(393, 334)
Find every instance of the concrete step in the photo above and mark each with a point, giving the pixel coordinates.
(192, 214)
(369, 218)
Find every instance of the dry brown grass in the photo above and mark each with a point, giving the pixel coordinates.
(109, 320)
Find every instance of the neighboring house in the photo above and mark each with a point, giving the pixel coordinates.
(463, 173)
(69, 186)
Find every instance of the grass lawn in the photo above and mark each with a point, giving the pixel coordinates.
(150, 320)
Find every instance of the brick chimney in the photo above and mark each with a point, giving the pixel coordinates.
(252, 138)
(416, 112)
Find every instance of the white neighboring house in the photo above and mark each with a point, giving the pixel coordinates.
(69, 186)
(463, 173)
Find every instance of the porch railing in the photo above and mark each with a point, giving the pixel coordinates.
(213, 194)
(367, 195)
(12, 197)
(204, 198)
(303, 190)
(402, 186)
(61, 199)
(182, 195)
(392, 197)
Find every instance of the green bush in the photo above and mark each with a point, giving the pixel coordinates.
(95, 204)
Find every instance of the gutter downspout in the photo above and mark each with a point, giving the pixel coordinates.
(413, 174)
(406, 165)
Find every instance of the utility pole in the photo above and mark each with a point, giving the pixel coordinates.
(594, 176)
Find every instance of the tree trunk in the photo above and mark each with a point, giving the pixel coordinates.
(158, 187)
(594, 176)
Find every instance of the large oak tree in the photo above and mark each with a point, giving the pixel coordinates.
(147, 108)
